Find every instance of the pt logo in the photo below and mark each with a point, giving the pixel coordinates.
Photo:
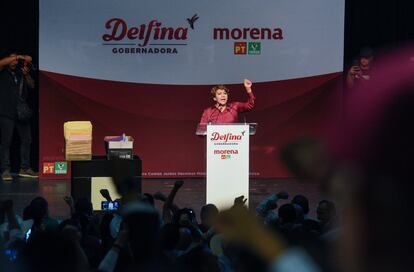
(240, 48)
(254, 48)
(61, 168)
(48, 168)
(225, 157)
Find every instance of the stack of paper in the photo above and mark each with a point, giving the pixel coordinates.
(78, 139)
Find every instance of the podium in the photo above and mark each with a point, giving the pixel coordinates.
(227, 157)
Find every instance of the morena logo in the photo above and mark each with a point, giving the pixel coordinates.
(226, 152)
(216, 136)
(223, 33)
(153, 30)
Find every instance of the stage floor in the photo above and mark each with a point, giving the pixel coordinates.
(192, 194)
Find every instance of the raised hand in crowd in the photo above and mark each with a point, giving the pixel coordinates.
(105, 194)
(168, 207)
(178, 184)
(240, 201)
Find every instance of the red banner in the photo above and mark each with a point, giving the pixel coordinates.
(163, 118)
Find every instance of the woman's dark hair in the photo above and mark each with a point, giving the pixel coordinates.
(219, 87)
(208, 209)
(302, 201)
(287, 213)
(37, 210)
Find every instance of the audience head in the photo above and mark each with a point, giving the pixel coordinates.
(37, 210)
(287, 214)
(84, 206)
(185, 217)
(326, 211)
(302, 201)
(366, 56)
(208, 213)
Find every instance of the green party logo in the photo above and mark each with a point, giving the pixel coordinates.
(61, 168)
(254, 48)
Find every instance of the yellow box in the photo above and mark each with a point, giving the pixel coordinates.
(77, 128)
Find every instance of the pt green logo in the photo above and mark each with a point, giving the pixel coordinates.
(61, 168)
(254, 48)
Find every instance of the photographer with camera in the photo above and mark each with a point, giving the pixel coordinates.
(15, 79)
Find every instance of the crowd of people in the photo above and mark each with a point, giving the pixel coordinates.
(137, 237)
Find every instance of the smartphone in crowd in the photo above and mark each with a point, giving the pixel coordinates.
(27, 235)
(11, 254)
(109, 205)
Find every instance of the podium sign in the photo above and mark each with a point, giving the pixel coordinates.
(227, 163)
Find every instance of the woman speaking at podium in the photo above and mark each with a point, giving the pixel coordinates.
(224, 112)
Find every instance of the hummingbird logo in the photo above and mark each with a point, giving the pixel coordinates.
(192, 20)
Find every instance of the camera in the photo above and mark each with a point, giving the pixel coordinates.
(109, 205)
(21, 63)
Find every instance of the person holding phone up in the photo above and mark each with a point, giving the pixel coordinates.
(361, 68)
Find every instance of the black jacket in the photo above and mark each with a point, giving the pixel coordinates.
(9, 93)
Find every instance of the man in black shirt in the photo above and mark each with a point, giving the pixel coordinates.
(14, 81)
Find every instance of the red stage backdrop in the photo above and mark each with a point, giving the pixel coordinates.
(145, 69)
